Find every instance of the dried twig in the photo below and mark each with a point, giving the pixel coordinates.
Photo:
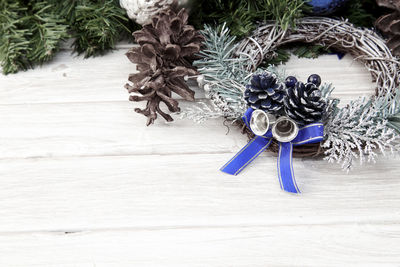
(363, 44)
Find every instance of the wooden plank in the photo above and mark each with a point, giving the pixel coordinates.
(71, 79)
(104, 128)
(65, 129)
(84, 128)
(333, 245)
(94, 193)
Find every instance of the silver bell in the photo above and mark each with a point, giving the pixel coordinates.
(285, 129)
(261, 122)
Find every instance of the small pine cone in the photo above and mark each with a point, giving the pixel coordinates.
(265, 93)
(304, 103)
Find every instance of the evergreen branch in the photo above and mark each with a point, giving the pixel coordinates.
(280, 56)
(285, 12)
(65, 9)
(302, 50)
(310, 50)
(224, 73)
(200, 111)
(241, 16)
(14, 42)
(48, 29)
(98, 27)
(362, 13)
(31, 31)
(389, 109)
(359, 130)
(225, 76)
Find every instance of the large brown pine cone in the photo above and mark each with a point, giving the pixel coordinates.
(390, 24)
(167, 49)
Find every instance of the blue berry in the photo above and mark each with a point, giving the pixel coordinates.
(315, 79)
(290, 81)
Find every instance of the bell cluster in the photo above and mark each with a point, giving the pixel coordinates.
(283, 107)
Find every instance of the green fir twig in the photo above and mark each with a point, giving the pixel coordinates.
(97, 27)
(31, 31)
(14, 37)
(241, 16)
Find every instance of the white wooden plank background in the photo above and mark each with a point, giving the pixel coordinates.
(83, 182)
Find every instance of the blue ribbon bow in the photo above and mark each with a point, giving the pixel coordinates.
(311, 133)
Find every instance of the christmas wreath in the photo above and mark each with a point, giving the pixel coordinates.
(287, 116)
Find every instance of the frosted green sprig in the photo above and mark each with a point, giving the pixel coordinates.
(362, 129)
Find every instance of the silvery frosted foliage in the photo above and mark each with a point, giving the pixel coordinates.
(359, 131)
(389, 106)
(142, 11)
(326, 90)
(331, 103)
(224, 73)
(224, 76)
(200, 111)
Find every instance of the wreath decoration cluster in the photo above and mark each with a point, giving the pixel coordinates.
(280, 113)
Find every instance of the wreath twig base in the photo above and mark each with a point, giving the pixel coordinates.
(363, 44)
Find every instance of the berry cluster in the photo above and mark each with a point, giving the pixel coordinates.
(301, 102)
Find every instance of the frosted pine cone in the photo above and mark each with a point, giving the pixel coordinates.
(265, 93)
(304, 102)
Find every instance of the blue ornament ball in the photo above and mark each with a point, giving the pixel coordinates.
(325, 7)
(315, 79)
(290, 81)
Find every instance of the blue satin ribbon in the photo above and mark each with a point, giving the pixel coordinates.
(311, 133)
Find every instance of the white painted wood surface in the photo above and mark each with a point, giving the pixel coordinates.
(83, 182)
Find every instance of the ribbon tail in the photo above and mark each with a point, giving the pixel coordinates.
(285, 168)
(246, 155)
